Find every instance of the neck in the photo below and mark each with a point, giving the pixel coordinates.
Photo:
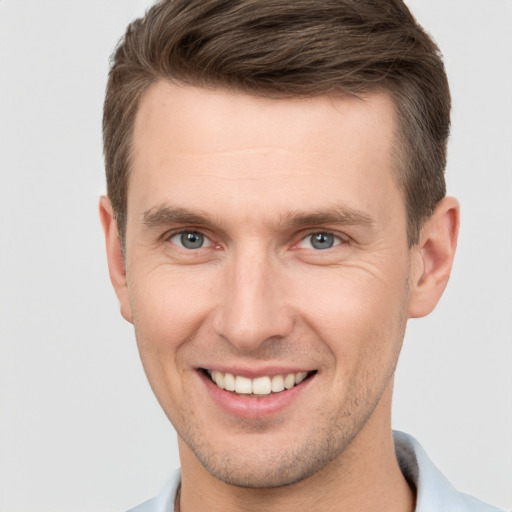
(365, 477)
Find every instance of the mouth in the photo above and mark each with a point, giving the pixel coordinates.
(260, 386)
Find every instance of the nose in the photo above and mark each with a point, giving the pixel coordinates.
(252, 306)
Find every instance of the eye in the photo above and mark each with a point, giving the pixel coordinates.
(190, 240)
(319, 241)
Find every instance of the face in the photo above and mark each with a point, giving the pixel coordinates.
(266, 250)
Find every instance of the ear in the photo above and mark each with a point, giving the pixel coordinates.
(432, 257)
(116, 263)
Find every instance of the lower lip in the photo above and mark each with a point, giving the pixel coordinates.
(253, 407)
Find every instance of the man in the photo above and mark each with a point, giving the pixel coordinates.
(276, 212)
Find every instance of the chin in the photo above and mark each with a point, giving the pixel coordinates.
(263, 475)
(264, 465)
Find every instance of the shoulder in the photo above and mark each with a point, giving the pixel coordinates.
(434, 492)
(164, 502)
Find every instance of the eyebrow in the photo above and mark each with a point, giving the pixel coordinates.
(336, 215)
(167, 215)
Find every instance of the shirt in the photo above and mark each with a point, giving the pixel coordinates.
(433, 491)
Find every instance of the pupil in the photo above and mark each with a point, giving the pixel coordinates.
(322, 241)
(192, 240)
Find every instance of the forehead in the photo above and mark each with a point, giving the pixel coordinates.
(338, 148)
(221, 119)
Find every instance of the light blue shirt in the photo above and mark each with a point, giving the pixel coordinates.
(434, 492)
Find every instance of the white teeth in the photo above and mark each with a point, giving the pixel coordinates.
(277, 383)
(289, 381)
(258, 386)
(262, 386)
(229, 382)
(243, 385)
(218, 378)
(299, 377)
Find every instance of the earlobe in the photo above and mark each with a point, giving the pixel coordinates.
(433, 257)
(115, 258)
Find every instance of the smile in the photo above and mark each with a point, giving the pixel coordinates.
(260, 386)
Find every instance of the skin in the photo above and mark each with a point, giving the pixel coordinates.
(257, 177)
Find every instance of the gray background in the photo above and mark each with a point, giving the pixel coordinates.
(79, 427)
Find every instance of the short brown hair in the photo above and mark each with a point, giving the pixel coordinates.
(288, 48)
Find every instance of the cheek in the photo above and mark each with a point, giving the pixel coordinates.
(169, 305)
(353, 311)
